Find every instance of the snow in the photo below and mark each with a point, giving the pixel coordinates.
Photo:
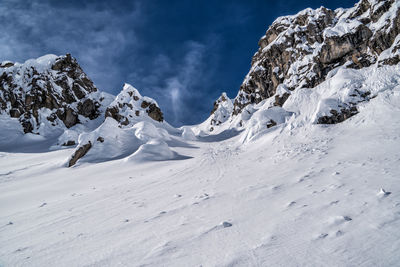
(257, 123)
(342, 27)
(41, 64)
(141, 141)
(295, 194)
(188, 134)
(153, 150)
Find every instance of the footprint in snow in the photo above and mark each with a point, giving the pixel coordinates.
(339, 220)
(334, 202)
(21, 249)
(322, 236)
(226, 224)
(339, 233)
(383, 193)
(276, 187)
(335, 186)
(304, 178)
(202, 197)
(291, 204)
(220, 226)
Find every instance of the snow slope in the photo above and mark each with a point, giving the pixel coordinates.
(295, 194)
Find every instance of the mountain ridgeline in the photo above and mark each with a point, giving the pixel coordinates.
(299, 51)
(54, 91)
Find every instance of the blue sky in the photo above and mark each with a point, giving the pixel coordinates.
(181, 53)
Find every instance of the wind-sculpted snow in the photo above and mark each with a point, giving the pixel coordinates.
(142, 141)
(299, 194)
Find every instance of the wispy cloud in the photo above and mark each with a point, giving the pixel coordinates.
(181, 87)
(178, 83)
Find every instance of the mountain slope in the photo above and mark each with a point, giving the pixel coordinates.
(297, 196)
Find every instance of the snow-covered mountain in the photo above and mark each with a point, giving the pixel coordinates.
(52, 99)
(47, 92)
(306, 49)
(301, 168)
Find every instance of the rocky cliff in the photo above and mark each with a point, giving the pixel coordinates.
(299, 51)
(48, 89)
(54, 91)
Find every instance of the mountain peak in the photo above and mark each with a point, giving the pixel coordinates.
(50, 91)
(130, 106)
(299, 51)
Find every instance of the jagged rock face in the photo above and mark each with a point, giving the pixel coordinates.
(299, 51)
(223, 107)
(130, 107)
(49, 88)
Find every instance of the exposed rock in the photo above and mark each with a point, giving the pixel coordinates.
(69, 143)
(6, 64)
(299, 51)
(155, 113)
(126, 108)
(280, 100)
(69, 117)
(145, 104)
(222, 110)
(271, 123)
(27, 126)
(338, 116)
(79, 153)
(88, 108)
(54, 83)
(15, 113)
(100, 139)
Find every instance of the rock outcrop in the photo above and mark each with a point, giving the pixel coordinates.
(79, 153)
(53, 91)
(223, 107)
(50, 89)
(130, 107)
(299, 51)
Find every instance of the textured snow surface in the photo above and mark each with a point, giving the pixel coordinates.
(300, 194)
